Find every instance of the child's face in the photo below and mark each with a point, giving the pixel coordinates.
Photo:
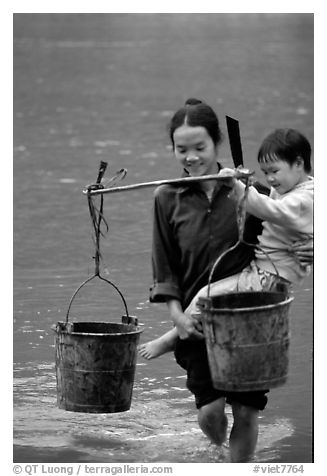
(281, 175)
(195, 150)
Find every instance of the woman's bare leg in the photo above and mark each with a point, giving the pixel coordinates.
(244, 433)
(213, 421)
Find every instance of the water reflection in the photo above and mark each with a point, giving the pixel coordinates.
(54, 435)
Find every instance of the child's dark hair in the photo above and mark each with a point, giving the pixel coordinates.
(288, 145)
(196, 113)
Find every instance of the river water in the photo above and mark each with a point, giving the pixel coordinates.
(102, 87)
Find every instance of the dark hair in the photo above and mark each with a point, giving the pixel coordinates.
(288, 145)
(196, 113)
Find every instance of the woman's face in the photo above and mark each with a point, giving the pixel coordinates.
(195, 150)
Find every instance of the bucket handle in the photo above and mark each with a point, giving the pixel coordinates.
(126, 319)
(231, 249)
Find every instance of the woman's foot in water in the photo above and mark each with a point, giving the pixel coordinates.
(161, 345)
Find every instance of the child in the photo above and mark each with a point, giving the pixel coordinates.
(287, 215)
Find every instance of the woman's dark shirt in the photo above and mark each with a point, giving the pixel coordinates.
(189, 234)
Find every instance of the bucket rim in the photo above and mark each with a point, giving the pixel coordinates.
(61, 329)
(286, 301)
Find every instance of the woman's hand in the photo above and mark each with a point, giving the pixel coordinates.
(233, 174)
(304, 252)
(187, 326)
(226, 172)
(228, 175)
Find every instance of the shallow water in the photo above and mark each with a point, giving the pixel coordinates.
(91, 88)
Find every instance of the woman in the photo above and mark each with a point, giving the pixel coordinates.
(285, 159)
(193, 225)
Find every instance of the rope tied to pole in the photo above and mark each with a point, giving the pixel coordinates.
(96, 214)
(98, 221)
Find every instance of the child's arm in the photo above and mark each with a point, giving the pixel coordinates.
(294, 211)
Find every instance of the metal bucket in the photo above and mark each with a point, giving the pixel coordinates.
(95, 361)
(95, 365)
(247, 338)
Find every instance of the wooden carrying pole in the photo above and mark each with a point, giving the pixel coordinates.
(237, 155)
(179, 181)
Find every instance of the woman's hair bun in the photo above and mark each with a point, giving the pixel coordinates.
(193, 102)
